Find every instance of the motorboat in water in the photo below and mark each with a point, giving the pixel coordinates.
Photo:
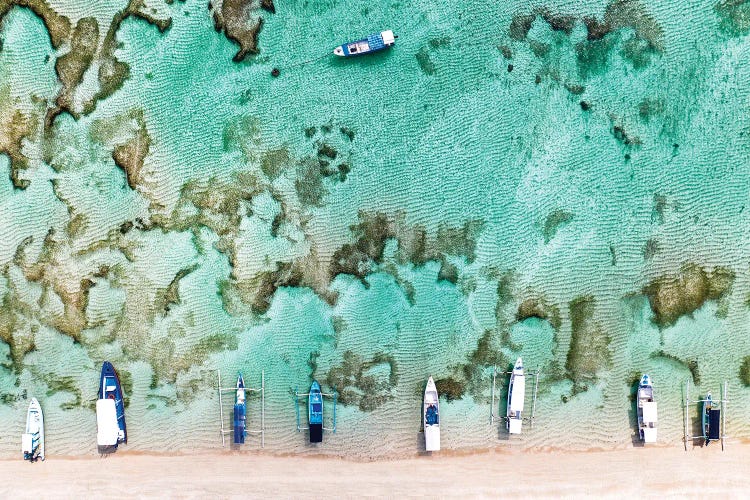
(431, 417)
(516, 394)
(240, 412)
(315, 413)
(110, 411)
(32, 440)
(647, 414)
(373, 43)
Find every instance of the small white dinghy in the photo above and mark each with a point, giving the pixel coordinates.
(516, 394)
(32, 441)
(431, 417)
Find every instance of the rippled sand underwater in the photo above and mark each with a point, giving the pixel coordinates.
(564, 181)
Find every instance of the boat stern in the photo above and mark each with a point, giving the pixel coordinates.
(432, 438)
(514, 425)
(388, 37)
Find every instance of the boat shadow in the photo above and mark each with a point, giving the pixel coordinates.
(364, 61)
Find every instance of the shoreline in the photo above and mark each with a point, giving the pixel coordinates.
(486, 472)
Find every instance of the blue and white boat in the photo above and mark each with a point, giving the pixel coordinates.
(711, 420)
(32, 441)
(373, 43)
(110, 411)
(315, 413)
(240, 412)
(431, 417)
(647, 414)
(516, 395)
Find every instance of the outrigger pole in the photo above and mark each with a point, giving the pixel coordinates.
(530, 419)
(261, 390)
(723, 401)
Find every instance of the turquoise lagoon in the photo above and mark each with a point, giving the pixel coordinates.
(565, 181)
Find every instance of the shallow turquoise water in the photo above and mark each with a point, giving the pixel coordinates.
(568, 203)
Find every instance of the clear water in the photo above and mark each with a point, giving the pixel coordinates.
(567, 203)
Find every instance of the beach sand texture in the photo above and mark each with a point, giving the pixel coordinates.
(653, 473)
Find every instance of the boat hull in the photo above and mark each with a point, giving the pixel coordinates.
(315, 413)
(240, 412)
(516, 396)
(431, 417)
(111, 404)
(373, 43)
(32, 441)
(646, 410)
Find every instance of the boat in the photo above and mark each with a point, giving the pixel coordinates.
(373, 43)
(240, 411)
(431, 417)
(516, 393)
(315, 413)
(110, 411)
(711, 419)
(647, 414)
(32, 440)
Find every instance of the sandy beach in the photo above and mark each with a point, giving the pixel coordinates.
(661, 472)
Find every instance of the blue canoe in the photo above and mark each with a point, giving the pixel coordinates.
(315, 413)
(240, 411)
(110, 409)
(373, 43)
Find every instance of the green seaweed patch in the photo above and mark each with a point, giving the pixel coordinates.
(14, 127)
(448, 271)
(274, 162)
(64, 384)
(745, 371)
(539, 308)
(425, 61)
(650, 249)
(71, 67)
(589, 343)
(170, 296)
(520, 25)
(126, 379)
(734, 16)
(672, 297)
(691, 364)
(554, 221)
(13, 332)
(450, 388)
(241, 24)
(367, 384)
(650, 107)
(558, 22)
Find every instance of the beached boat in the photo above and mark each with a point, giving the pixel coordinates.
(516, 394)
(373, 43)
(32, 440)
(240, 411)
(110, 411)
(315, 413)
(647, 414)
(431, 417)
(711, 418)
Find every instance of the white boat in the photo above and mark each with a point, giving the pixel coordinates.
(32, 441)
(516, 394)
(431, 417)
(647, 414)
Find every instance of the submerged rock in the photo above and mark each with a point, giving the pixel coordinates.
(671, 297)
